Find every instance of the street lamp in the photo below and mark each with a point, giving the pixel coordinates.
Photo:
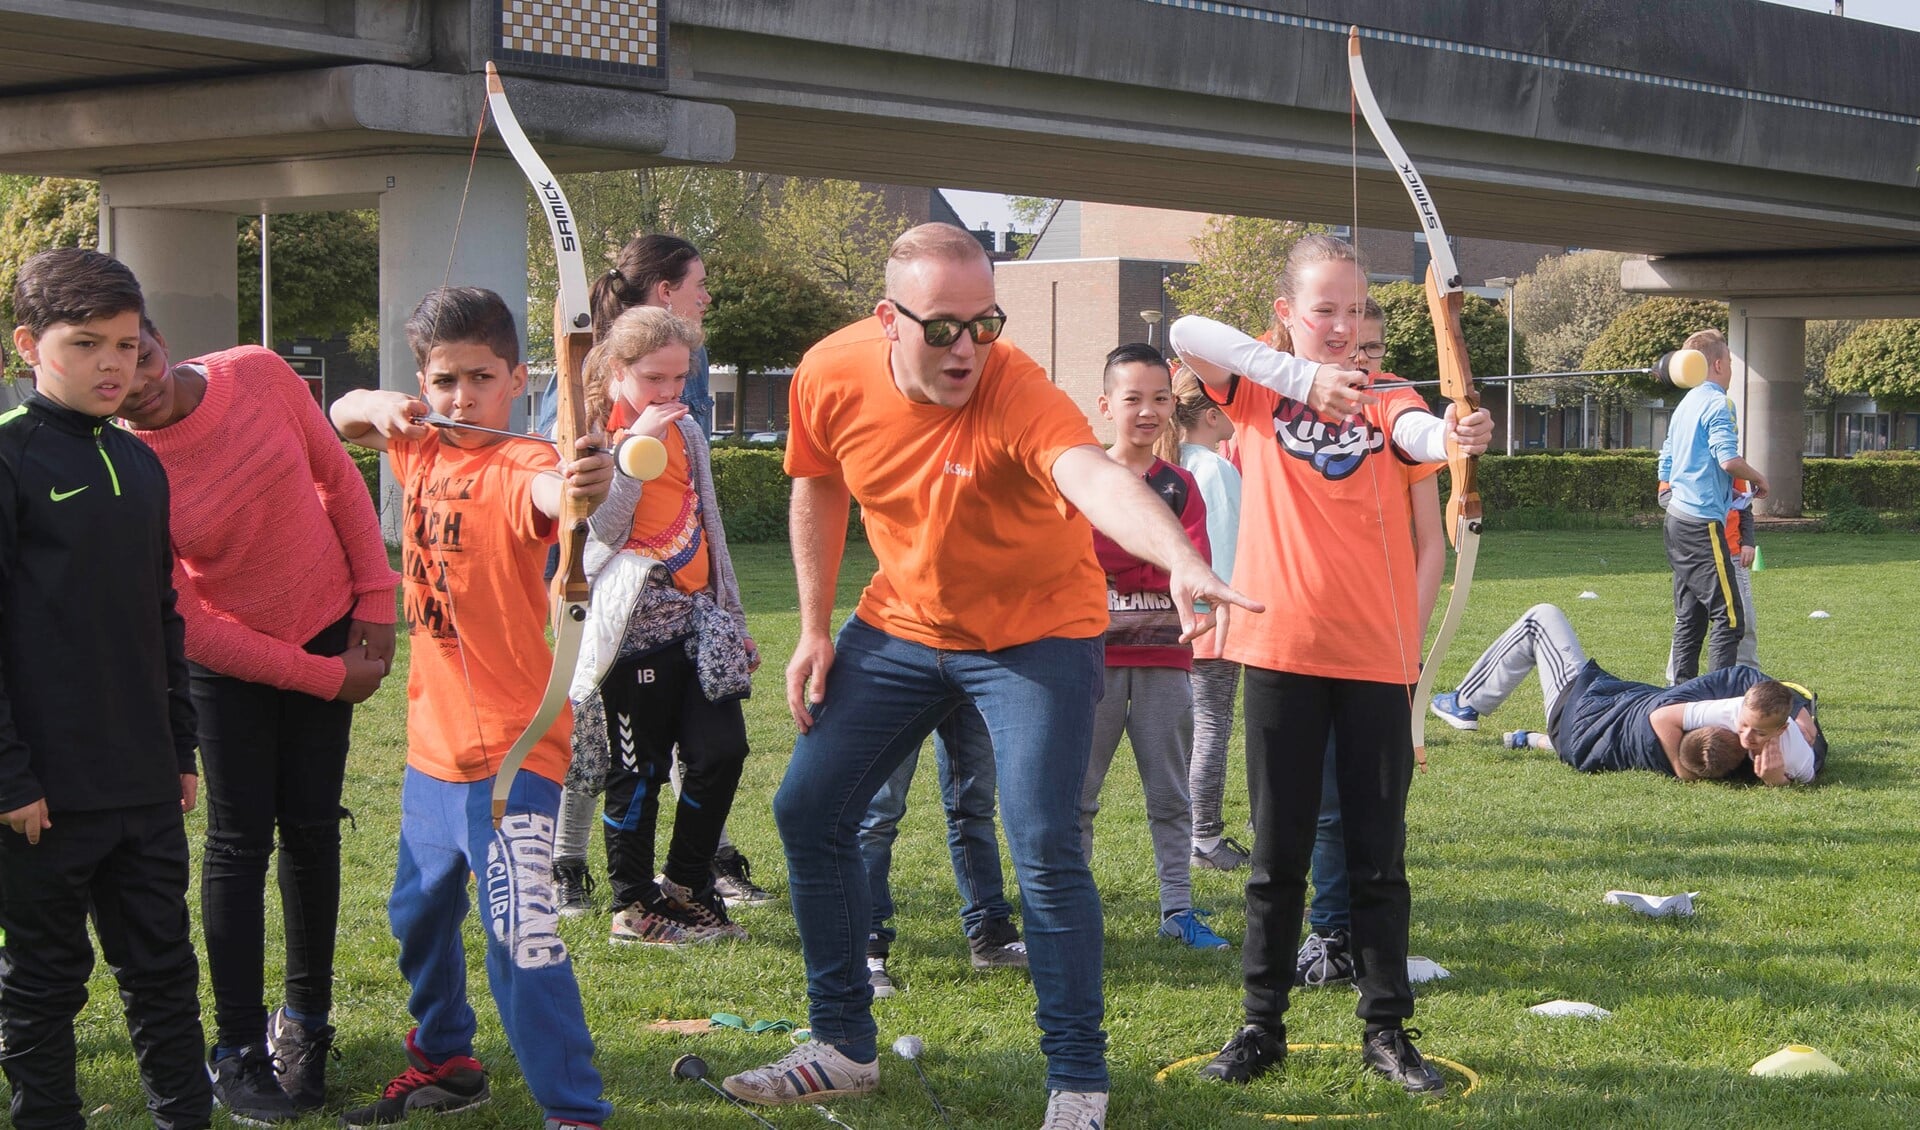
(1507, 285)
(1152, 319)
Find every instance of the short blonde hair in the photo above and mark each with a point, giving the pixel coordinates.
(1710, 343)
(634, 334)
(931, 241)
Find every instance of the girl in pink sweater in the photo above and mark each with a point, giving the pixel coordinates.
(288, 597)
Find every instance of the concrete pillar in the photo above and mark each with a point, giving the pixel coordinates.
(187, 262)
(418, 211)
(1770, 389)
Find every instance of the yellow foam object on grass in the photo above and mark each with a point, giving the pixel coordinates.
(1796, 1059)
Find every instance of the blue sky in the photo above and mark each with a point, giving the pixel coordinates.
(991, 207)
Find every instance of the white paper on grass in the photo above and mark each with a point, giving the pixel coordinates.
(1655, 906)
(1421, 969)
(1570, 1008)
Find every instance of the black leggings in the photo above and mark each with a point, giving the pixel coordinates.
(653, 702)
(1288, 718)
(273, 758)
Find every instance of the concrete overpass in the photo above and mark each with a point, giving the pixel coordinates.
(1692, 128)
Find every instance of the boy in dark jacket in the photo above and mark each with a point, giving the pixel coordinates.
(96, 727)
(1733, 722)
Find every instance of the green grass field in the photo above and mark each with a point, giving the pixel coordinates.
(1808, 899)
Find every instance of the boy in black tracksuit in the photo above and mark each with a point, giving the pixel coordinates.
(96, 726)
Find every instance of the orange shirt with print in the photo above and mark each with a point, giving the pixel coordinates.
(666, 521)
(476, 604)
(1326, 538)
(978, 550)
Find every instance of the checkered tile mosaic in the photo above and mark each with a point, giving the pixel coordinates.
(605, 37)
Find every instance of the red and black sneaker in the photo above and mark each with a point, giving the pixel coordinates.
(454, 1084)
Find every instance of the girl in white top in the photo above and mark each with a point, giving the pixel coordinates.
(1199, 429)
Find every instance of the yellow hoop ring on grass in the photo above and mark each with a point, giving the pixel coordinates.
(1472, 1077)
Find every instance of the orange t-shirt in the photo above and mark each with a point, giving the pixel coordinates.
(978, 550)
(1325, 538)
(666, 523)
(476, 604)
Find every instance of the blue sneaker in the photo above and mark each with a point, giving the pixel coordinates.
(1455, 713)
(1186, 926)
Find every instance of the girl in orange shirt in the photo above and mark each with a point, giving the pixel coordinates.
(667, 272)
(671, 656)
(1327, 460)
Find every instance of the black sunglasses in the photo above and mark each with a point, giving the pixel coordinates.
(942, 332)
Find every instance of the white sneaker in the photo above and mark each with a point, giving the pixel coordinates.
(1076, 1110)
(809, 1073)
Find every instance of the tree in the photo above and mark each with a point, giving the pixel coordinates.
(1565, 304)
(766, 314)
(836, 231)
(1028, 211)
(1238, 259)
(1561, 308)
(717, 210)
(1635, 339)
(326, 275)
(1823, 338)
(1412, 352)
(1881, 359)
(41, 214)
(1638, 336)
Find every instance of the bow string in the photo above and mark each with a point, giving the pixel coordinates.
(1445, 297)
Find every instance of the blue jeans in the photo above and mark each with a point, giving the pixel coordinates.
(964, 751)
(446, 832)
(885, 695)
(1332, 906)
(695, 396)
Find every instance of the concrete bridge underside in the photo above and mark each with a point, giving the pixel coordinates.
(1695, 128)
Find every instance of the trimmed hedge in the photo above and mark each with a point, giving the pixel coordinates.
(1519, 489)
(1623, 483)
(752, 488)
(368, 460)
(753, 491)
(1620, 483)
(1876, 480)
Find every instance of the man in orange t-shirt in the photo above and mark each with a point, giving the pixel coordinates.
(980, 483)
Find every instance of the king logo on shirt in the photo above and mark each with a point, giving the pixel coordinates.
(1335, 450)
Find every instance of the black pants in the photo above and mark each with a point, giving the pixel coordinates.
(1703, 594)
(652, 703)
(1288, 718)
(127, 868)
(273, 758)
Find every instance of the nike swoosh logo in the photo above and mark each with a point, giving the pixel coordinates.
(63, 495)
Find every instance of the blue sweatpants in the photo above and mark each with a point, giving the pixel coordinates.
(446, 831)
